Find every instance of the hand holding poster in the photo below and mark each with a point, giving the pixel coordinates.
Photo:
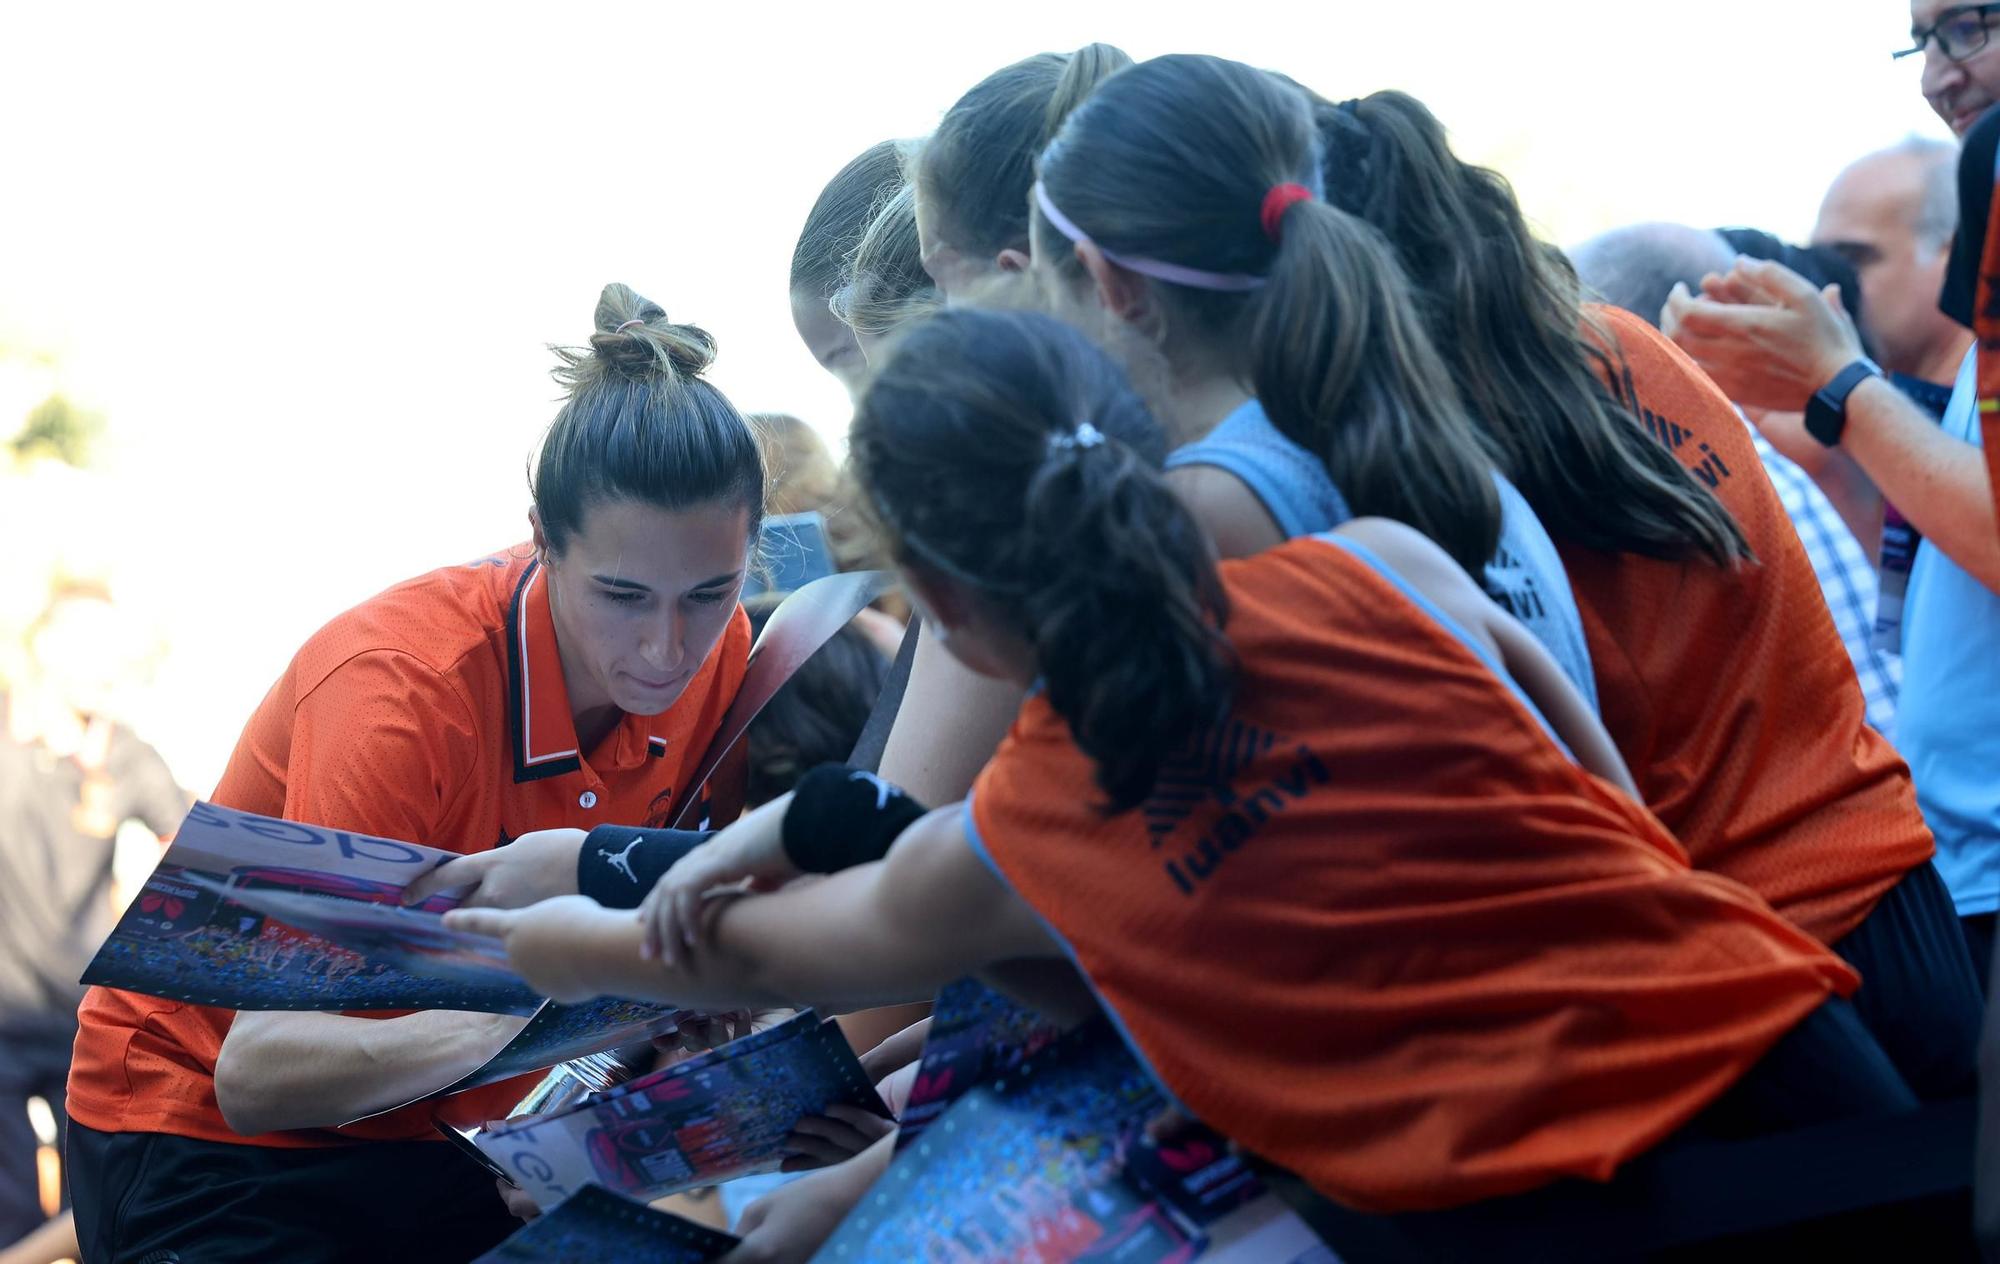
(723, 1114)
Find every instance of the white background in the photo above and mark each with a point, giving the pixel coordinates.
(305, 259)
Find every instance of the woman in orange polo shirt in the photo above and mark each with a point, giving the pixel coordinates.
(1353, 827)
(571, 682)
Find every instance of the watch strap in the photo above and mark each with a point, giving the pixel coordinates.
(1826, 412)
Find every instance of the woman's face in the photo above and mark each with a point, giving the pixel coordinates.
(830, 341)
(640, 595)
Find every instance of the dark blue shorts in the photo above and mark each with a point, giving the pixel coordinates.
(154, 1198)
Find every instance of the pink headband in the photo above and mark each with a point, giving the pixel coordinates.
(1227, 282)
(637, 320)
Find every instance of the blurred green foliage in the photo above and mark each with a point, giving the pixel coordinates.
(57, 428)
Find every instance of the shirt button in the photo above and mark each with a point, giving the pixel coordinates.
(588, 799)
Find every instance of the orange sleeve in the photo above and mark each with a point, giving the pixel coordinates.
(382, 745)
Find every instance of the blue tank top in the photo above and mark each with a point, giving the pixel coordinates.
(1525, 577)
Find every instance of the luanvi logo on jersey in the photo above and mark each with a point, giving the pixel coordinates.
(1710, 470)
(1205, 777)
(1205, 770)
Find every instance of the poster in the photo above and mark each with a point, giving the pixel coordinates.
(559, 1033)
(1052, 1161)
(723, 1114)
(976, 1034)
(241, 911)
(593, 1226)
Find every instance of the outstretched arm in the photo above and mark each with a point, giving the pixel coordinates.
(882, 933)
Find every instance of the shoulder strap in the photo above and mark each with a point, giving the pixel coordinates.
(882, 716)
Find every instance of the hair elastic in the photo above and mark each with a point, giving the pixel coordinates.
(1084, 436)
(636, 320)
(1196, 278)
(1281, 198)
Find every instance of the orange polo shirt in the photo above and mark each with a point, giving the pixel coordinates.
(435, 713)
(1379, 928)
(1728, 691)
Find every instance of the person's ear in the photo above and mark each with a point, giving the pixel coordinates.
(942, 601)
(1120, 291)
(1011, 260)
(541, 539)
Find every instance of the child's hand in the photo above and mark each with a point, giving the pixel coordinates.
(519, 1205)
(791, 1222)
(843, 1132)
(548, 943)
(540, 865)
(751, 852)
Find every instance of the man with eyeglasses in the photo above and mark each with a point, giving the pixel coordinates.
(1961, 66)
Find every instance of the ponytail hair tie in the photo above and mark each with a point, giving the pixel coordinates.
(1084, 436)
(636, 320)
(1280, 199)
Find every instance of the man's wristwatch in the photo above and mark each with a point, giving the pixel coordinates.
(1826, 411)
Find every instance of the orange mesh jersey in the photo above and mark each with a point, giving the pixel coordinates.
(1729, 692)
(434, 713)
(1377, 925)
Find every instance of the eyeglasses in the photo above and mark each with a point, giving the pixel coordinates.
(1959, 32)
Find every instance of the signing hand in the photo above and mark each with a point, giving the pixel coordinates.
(1767, 337)
(749, 855)
(534, 867)
(560, 946)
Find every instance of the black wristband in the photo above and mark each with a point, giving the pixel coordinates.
(619, 863)
(841, 817)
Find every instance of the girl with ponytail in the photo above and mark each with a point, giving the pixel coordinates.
(1719, 671)
(1246, 797)
(973, 173)
(1179, 209)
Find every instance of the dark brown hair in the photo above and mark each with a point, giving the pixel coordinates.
(971, 449)
(1504, 310)
(639, 423)
(1172, 160)
(976, 169)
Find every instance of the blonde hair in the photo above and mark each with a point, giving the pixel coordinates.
(885, 285)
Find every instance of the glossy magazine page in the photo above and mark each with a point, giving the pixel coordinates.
(249, 912)
(594, 1226)
(711, 1118)
(1056, 1160)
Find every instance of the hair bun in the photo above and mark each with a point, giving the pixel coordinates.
(635, 338)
